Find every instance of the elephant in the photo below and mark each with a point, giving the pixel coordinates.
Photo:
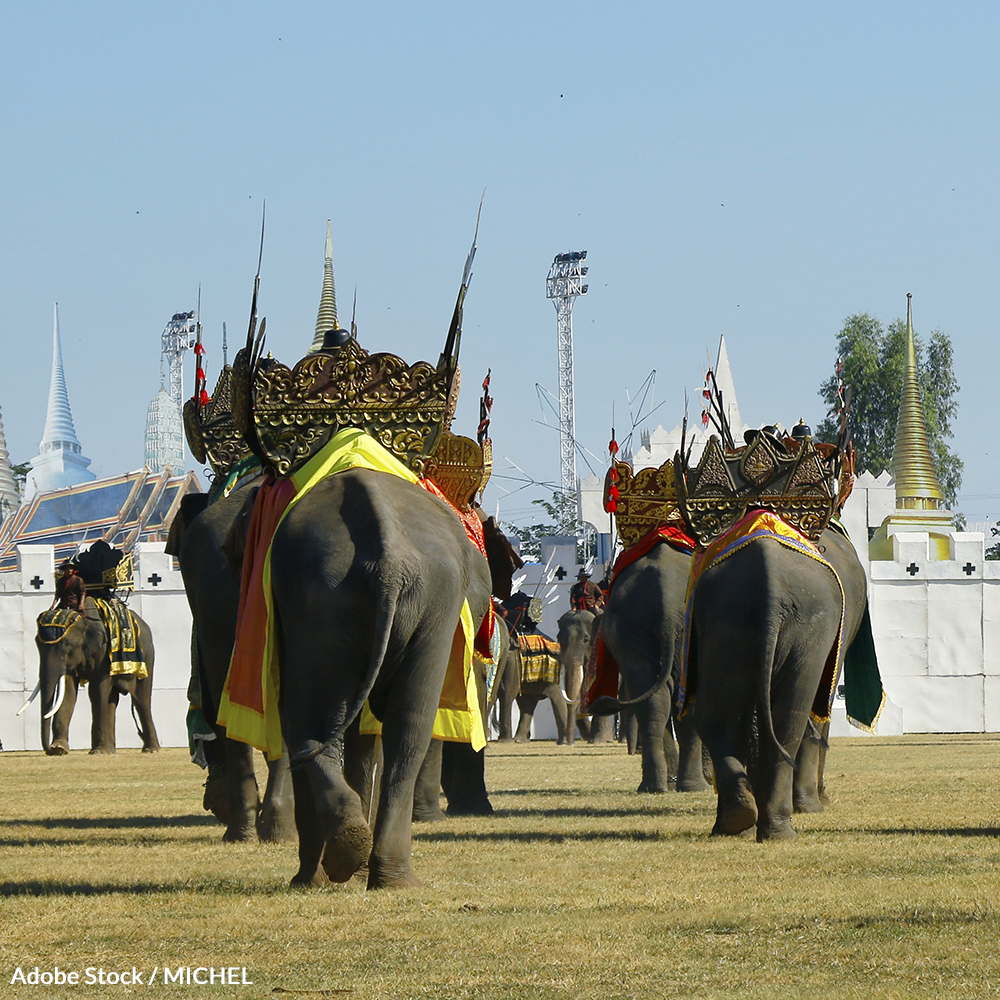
(763, 622)
(369, 573)
(642, 627)
(574, 638)
(202, 537)
(74, 650)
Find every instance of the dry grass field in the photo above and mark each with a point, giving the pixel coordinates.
(577, 888)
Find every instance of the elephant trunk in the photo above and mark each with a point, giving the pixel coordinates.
(53, 692)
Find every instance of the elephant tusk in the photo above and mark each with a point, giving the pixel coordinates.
(34, 695)
(60, 694)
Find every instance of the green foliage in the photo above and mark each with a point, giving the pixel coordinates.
(874, 359)
(561, 510)
(993, 551)
(20, 471)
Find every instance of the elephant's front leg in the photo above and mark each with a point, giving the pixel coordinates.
(560, 714)
(509, 686)
(427, 791)
(276, 818)
(721, 726)
(808, 793)
(103, 705)
(241, 793)
(776, 773)
(690, 770)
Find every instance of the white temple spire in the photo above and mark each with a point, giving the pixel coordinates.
(60, 461)
(10, 498)
(724, 380)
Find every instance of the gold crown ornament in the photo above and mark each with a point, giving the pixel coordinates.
(644, 500)
(211, 432)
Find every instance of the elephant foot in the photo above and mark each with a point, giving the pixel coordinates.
(214, 799)
(695, 784)
(309, 880)
(57, 750)
(504, 739)
(151, 749)
(240, 833)
(809, 804)
(382, 877)
(276, 826)
(103, 750)
(427, 813)
(652, 786)
(780, 830)
(521, 739)
(483, 808)
(347, 850)
(738, 813)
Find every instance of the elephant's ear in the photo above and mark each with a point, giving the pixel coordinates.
(503, 560)
(191, 506)
(235, 544)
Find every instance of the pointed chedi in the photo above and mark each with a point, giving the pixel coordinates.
(60, 461)
(326, 319)
(920, 502)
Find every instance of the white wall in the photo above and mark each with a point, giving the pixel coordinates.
(158, 598)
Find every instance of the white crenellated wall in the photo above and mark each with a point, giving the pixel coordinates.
(158, 598)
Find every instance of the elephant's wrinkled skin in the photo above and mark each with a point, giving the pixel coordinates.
(82, 657)
(642, 627)
(368, 574)
(211, 581)
(764, 621)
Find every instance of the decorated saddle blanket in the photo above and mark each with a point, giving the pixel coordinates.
(123, 637)
(249, 704)
(539, 658)
(602, 673)
(756, 525)
(55, 623)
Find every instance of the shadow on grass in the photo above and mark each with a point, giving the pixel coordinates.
(113, 822)
(222, 886)
(540, 837)
(564, 812)
(915, 831)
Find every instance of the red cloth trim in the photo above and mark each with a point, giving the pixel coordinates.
(603, 672)
(246, 668)
(474, 530)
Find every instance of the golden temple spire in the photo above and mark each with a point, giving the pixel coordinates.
(917, 486)
(326, 319)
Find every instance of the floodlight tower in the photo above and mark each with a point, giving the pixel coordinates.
(177, 337)
(564, 285)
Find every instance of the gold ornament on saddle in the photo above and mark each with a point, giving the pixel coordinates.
(286, 415)
(211, 432)
(120, 576)
(800, 480)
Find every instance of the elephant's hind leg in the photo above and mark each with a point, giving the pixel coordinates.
(345, 833)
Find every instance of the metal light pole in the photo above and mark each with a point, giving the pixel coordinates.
(564, 285)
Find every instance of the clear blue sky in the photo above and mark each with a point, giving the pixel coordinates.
(760, 171)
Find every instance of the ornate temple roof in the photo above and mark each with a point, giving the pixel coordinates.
(326, 318)
(138, 506)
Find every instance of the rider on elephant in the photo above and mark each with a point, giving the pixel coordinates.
(71, 591)
(585, 595)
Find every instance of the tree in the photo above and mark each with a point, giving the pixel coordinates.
(562, 512)
(874, 358)
(20, 471)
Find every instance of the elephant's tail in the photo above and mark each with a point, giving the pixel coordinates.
(764, 695)
(606, 705)
(385, 612)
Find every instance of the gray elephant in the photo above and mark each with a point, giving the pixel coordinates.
(642, 627)
(562, 691)
(202, 538)
(368, 575)
(75, 649)
(764, 624)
